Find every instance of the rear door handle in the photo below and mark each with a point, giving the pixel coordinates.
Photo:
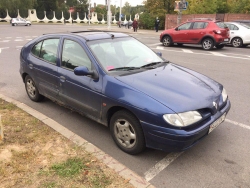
(62, 78)
(31, 66)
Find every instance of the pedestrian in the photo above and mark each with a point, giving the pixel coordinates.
(135, 25)
(157, 22)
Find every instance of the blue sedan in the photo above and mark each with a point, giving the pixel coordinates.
(119, 82)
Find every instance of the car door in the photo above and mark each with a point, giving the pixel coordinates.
(43, 61)
(180, 35)
(82, 93)
(197, 32)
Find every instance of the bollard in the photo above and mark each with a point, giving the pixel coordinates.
(1, 129)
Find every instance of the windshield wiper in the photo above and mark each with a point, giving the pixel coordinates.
(153, 63)
(124, 68)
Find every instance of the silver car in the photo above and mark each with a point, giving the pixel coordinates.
(19, 21)
(239, 34)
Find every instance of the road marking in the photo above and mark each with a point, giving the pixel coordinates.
(159, 48)
(217, 54)
(156, 44)
(0, 50)
(187, 51)
(161, 165)
(238, 124)
(8, 37)
(28, 39)
(5, 41)
(4, 47)
(18, 40)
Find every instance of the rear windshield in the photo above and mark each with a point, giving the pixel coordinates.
(221, 24)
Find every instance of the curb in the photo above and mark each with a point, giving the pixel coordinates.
(134, 179)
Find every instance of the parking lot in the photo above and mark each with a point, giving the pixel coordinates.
(220, 160)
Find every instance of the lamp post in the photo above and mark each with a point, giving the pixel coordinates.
(120, 11)
(89, 11)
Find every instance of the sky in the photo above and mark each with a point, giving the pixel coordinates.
(117, 2)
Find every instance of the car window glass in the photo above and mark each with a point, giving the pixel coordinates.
(123, 52)
(49, 50)
(73, 55)
(200, 25)
(36, 49)
(221, 25)
(185, 26)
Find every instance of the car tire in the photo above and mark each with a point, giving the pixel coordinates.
(237, 42)
(220, 46)
(15, 24)
(167, 41)
(127, 132)
(207, 44)
(32, 90)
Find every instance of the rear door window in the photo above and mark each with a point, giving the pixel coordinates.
(200, 25)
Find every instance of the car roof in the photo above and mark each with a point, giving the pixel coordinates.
(241, 21)
(93, 35)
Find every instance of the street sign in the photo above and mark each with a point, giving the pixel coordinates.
(180, 5)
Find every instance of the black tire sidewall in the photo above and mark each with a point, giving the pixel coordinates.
(140, 140)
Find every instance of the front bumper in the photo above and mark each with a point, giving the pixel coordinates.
(170, 140)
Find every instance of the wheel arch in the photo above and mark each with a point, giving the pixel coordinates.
(207, 36)
(111, 111)
(165, 36)
(24, 75)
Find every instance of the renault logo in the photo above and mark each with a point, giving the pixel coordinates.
(215, 105)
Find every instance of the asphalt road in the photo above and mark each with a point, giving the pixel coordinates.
(220, 160)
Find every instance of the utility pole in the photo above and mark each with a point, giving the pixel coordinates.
(108, 14)
(120, 11)
(89, 11)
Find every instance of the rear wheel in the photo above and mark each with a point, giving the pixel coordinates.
(32, 90)
(220, 46)
(15, 24)
(127, 132)
(237, 42)
(207, 44)
(167, 41)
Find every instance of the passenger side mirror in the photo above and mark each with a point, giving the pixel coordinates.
(159, 54)
(84, 71)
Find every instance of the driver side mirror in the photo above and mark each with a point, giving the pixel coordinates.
(84, 71)
(176, 29)
(159, 54)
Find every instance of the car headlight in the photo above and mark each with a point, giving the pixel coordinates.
(224, 95)
(182, 119)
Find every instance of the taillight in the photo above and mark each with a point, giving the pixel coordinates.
(217, 32)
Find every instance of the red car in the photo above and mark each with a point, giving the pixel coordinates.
(207, 32)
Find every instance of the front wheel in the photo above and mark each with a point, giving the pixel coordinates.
(32, 90)
(167, 41)
(237, 42)
(220, 46)
(207, 44)
(127, 132)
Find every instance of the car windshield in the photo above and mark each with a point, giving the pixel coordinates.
(123, 54)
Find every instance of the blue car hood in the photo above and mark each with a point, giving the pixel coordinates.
(178, 88)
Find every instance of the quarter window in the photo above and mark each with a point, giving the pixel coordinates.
(36, 49)
(73, 55)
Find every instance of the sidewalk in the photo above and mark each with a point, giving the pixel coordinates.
(133, 178)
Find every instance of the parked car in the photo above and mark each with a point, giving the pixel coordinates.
(125, 23)
(19, 21)
(239, 33)
(207, 32)
(119, 82)
(245, 22)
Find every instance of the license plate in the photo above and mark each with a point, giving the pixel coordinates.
(217, 123)
(226, 40)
